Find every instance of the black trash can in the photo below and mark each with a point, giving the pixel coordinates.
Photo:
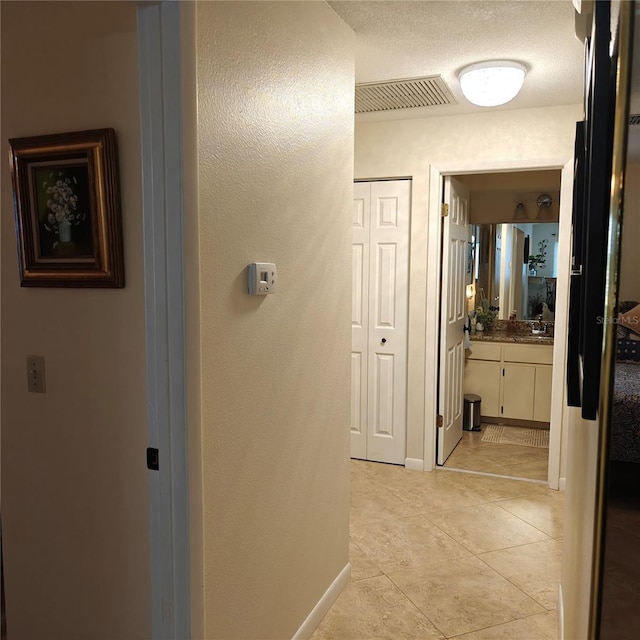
(471, 417)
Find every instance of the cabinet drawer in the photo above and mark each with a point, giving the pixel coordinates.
(485, 351)
(528, 353)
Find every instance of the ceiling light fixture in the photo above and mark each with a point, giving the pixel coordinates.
(520, 214)
(544, 203)
(489, 84)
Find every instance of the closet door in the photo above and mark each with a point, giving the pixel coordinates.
(379, 323)
(360, 319)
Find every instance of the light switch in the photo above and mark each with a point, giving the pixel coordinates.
(35, 374)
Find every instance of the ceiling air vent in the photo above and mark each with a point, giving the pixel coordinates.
(403, 94)
(634, 118)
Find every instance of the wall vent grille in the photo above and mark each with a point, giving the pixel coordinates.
(634, 118)
(429, 91)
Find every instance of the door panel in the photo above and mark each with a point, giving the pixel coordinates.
(455, 230)
(383, 399)
(518, 391)
(542, 399)
(385, 298)
(483, 379)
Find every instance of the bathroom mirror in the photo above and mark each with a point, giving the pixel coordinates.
(516, 268)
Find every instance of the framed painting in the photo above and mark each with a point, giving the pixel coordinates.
(67, 209)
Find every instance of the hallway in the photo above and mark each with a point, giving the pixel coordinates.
(448, 555)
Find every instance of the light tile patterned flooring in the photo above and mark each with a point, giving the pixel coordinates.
(502, 459)
(448, 555)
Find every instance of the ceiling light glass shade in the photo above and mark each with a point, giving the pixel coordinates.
(520, 213)
(489, 84)
(545, 213)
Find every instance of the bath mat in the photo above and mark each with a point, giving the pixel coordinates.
(516, 435)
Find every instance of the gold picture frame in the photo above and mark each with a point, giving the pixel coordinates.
(67, 209)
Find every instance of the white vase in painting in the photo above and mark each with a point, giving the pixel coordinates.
(64, 231)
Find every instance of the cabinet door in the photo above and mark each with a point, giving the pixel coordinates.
(483, 379)
(518, 383)
(542, 401)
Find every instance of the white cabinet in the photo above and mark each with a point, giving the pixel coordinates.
(513, 380)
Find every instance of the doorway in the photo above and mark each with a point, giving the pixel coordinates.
(509, 279)
(557, 351)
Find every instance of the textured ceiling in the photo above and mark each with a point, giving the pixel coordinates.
(397, 39)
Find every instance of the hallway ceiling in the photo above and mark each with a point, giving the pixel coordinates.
(397, 40)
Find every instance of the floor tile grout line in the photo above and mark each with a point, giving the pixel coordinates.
(406, 595)
(429, 565)
(515, 585)
(525, 521)
(547, 536)
(481, 628)
(494, 626)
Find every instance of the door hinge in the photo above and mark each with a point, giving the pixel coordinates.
(444, 210)
(503, 372)
(501, 410)
(439, 421)
(153, 459)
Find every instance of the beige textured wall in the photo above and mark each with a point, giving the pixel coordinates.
(525, 138)
(275, 184)
(75, 500)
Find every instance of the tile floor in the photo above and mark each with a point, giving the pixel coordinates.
(502, 459)
(448, 555)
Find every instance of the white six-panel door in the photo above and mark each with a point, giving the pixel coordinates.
(455, 237)
(360, 319)
(379, 320)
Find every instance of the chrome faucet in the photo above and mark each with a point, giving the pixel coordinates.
(539, 326)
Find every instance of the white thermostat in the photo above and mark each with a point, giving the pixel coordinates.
(263, 278)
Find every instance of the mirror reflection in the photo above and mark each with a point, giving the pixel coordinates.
(513, 243)
(516, 268)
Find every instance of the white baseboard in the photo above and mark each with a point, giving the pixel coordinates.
(562, 484)
(324, 604)
(560, 613)
(414, 464)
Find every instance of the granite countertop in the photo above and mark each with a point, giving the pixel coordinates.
(519, 331)
(503, 336)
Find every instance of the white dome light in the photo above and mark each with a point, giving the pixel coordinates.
(489, 84)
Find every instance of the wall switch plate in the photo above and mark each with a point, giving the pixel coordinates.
(35, 374)
(262, 278)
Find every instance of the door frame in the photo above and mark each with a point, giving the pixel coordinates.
(159, 65)
(558, 413)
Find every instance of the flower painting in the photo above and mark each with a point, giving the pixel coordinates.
(67, 209)
(63, 206)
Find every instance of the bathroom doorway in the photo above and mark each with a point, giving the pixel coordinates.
(511, 272)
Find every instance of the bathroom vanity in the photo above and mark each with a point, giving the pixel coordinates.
(512, 376)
